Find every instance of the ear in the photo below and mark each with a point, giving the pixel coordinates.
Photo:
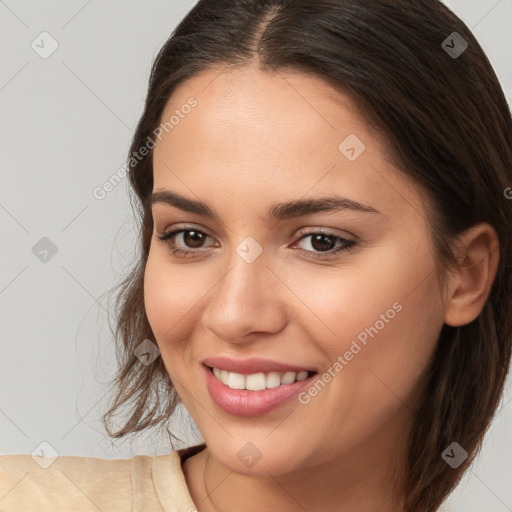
(477, 252)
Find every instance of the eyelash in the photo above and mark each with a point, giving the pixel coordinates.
(347, 247)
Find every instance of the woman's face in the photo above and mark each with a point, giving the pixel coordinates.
(349, 293)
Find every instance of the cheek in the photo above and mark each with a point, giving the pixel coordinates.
(169, 296)
(158, 297)
(366, 295)
(174, 296)
(166, 304)
(396, 348)
(384, 319)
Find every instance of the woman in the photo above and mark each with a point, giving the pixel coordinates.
(324, 268)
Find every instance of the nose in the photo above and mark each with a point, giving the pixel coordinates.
(248, 298)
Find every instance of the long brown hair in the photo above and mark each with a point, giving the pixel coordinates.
(449, 128)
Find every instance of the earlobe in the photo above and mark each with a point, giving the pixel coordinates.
(477, 252)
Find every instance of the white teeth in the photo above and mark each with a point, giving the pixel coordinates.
(288, 378)
(273, 380)
(236, 381)
(224, 376)
(257, 381)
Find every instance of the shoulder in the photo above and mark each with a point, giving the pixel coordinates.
(86, 483)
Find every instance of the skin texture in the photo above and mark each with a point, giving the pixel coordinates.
(253, 140)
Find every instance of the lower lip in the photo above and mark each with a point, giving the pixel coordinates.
(242, 402)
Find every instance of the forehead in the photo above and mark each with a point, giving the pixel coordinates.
(245, 103)
(252, 131)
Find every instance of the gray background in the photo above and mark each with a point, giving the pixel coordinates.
(66, 124)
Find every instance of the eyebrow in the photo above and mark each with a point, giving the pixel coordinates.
(278, 211)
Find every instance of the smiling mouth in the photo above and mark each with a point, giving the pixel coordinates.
(260, 380)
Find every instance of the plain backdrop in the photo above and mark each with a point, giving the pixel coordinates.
(66, 122)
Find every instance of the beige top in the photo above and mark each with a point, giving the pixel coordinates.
(88, 484)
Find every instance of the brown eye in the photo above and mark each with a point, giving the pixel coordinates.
(323, 245)
(192, 239)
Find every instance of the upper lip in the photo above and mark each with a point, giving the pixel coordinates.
(252, 365)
